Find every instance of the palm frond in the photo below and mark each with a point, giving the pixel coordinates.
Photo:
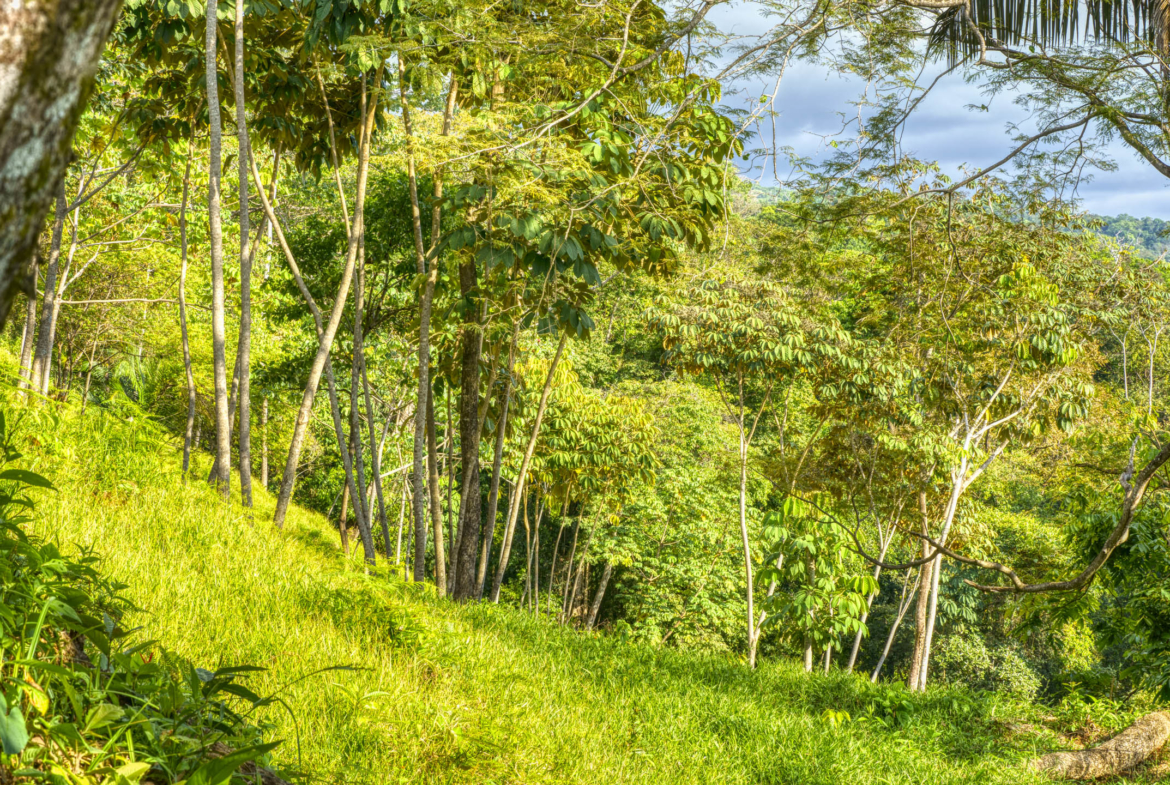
(1050, 23)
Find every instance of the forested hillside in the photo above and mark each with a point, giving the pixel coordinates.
(432, 392)
(1150, 237)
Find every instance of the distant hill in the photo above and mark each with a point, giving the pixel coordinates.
(1149, 236)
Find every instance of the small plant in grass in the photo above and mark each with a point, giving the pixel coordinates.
(83, 700)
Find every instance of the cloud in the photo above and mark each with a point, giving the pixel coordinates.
(812, 100)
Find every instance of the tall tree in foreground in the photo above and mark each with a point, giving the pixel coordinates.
(223, 437)
(244, 350)
(51, 56)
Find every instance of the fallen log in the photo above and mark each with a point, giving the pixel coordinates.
(1127, 749)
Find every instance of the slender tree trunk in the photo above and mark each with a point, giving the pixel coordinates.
(569, 569)
(302, 422)
(958, 480)
(343, 521)
(497, 462)
(264, 443)
(450, 490)
(810, 572)
(244, 341)
(222, 415)
(522, 475)
(375, 452)
(904, 606)
(595, 606)
(355, 386)
(436, 503)
(30, 323)
(536, 572)
(334, 408)
(355, 486)
(552, 568)
(470, 519)
(191, 396)
(913, 679)
(244, 350)
(581, 571)
(527, 554)
(424, 349)
(44, 344)
(752, 636)
(401, 520)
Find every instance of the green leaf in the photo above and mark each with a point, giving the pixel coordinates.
(102, 715)
(27, 477)
(220, 770)
(132, 772)
(13, 734)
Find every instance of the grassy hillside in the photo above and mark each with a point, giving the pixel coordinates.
(449, 694)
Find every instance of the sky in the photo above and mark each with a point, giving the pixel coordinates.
(943, 129)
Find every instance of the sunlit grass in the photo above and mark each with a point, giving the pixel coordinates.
(450, 694)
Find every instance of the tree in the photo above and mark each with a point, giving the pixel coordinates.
(749, 335)
(43, 91)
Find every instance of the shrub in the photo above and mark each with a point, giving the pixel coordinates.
(83, 700)
(964, 657)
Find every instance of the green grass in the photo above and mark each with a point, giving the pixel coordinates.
(451, 694)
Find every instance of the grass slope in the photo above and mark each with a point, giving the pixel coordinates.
(451, 694)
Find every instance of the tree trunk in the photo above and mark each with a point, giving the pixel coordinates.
(450, 438)
(902, 608)
(326, 342)
(497, 462)
(30, 326)
(51, 53)
(264, 443)
(569, 570)
(957, 482)
(536, 572)
(582, 571)
(334, 408)
(521, 476)
(752, 636)
(223, 446)
(343, 521)
(234, 389)
(355, 386)
(552, 568)
(44, 345)
(244, 350)
(191, 395)
(595, 606)
(1120, 754)
(527, 554)
(470, 510)
(375, 451)
(810, 571)
(470, 518)
(355, 482)
(913, 679)
(436, 503)
(424, 354)
(401, 520)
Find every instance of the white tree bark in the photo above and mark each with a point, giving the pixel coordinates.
(49, 52)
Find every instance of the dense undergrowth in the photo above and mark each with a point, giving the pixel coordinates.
(446, 694)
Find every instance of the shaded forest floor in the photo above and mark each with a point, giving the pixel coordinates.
(476, 694)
